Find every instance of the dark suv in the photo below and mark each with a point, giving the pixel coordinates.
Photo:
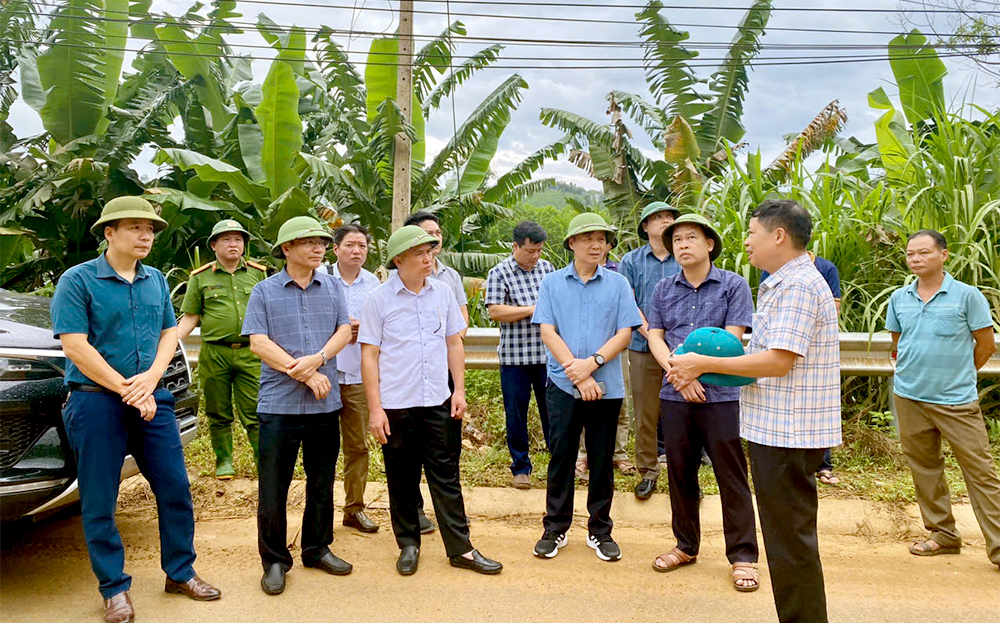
(37, 471)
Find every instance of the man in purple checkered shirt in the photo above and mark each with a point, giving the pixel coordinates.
(511, 292)
(791, 414)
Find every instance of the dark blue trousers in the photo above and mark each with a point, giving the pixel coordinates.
(516, 385)
(102, 430)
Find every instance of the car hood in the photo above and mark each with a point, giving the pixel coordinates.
(25, 321)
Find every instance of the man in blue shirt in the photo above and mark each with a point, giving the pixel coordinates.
(587, 314)
(114, 318)
(644, 268)
(297, 321)
(703, 415)
(944, 333)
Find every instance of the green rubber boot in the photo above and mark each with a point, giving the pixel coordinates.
(222, 445)
(252, 436)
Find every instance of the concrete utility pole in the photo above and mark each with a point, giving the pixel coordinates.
(404, 99)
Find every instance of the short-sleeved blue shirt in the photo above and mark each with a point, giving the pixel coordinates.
(935, 359)
(300, 321)
(122, 320)
(722, 300)
(644, 270)
(586, 315)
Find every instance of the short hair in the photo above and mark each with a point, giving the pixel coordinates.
(788, 215)
(935, 235)
(419, 217)
(350, 228)
(529, 230)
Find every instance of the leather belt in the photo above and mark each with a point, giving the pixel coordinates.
(233, 345)
(98, 389)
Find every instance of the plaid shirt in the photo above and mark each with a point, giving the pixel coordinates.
(300, 321)
(795, 312)
(509, 284)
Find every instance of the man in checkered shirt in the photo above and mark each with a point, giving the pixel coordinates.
(792, 412)
(511, 292)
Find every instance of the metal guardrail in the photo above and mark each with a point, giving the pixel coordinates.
(861, 354)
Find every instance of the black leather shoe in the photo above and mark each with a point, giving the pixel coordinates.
(360, 521)
(273, 582)
(426, 525)
(409, 558)
(644, 490)
(479, 563)
(331, 564)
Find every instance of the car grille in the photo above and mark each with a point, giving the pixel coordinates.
(18, 432)
(176, 377)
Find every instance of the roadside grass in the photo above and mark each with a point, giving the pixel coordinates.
(870, 463)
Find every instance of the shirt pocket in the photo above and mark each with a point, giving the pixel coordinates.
(759, 333)
(948, 323)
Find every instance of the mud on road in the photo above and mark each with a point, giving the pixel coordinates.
(45, 573)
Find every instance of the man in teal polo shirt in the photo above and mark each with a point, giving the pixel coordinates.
(944, 334)
(587, 314)
(114, 318)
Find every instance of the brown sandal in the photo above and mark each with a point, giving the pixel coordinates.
(745, 571)
(681, 559)
(625, 467)
(926, 548)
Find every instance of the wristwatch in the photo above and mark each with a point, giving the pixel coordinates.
(322, 353)
(599, 358)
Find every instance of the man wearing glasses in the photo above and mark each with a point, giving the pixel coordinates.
(297, 321)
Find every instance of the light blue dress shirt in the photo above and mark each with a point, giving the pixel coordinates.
(411, 331)
(586, 315)
(349, 359)
(644, 270)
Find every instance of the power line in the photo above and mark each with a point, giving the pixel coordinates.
(540, 18)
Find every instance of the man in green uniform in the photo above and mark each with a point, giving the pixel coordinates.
(217, 293)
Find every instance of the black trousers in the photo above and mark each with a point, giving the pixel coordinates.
(428, 437)
(280, 438)
(785, 482)
(568, 417)
(688, 427)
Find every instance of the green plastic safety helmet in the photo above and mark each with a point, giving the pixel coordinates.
(298, 227)
(715, 342)
(127, 207)
(694, 219)
(404, 239)
(650, 210)
(226, 226)
(588, 222)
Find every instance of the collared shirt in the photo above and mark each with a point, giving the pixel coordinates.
(411, 331)
(509, 284)
(220, 298)
(826, 268)
(450, 277)
(300, 321)
(722, 300)
(122, 321)
(586, 315)
(349, 359)
(644, 270)
(935, 360)
(795, 312)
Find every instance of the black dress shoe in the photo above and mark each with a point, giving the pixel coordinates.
(644, 490)
(426, 525)
(273, 582)
(360, 522)
(331, 564)
(479, 563)
(409, 558)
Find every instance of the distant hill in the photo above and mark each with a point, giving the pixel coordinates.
(556, 196)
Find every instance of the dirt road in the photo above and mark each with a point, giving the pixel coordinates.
(870, 576)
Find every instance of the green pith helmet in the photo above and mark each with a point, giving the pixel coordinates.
(650, 210)
(588, 222)
(226, 226)
(715, 342)
(694, 219)
(127, 207)
(298, 227)
(404, 239)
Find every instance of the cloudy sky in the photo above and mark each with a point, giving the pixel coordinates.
(782, 98)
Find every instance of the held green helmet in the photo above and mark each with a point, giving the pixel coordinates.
(706, 226)
(588, 222)
(404, 239)
(298, 227)
(650, 210)
(127, 207)
(225, 226)
(715, 342)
